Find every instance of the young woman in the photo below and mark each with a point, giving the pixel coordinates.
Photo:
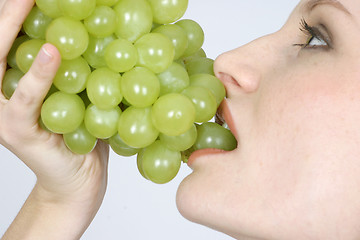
(293, 104)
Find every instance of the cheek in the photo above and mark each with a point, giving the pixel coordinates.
(309, 106)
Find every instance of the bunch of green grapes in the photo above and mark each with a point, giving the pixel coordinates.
(132, 74)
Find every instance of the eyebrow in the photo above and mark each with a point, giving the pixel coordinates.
(335, 3)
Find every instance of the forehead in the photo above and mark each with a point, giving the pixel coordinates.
(345, 9)
(350, 6)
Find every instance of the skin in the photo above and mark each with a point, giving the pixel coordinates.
(295, 112)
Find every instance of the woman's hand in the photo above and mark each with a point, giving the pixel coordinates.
(69, 186)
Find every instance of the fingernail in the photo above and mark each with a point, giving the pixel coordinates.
(44, 56)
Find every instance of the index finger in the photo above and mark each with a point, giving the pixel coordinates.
(12, 16)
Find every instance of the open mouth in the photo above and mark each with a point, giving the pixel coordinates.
(216, 138)
(224, 118)
(219, 119)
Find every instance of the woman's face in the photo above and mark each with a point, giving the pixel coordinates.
(293, 103)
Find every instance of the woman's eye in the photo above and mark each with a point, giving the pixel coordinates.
(316, 38)
(315, 41)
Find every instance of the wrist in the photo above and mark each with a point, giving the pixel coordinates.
(49, 215)
(82, 202)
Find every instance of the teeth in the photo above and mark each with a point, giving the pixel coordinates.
(225, 125)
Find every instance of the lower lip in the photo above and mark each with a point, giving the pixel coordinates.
(202, 152)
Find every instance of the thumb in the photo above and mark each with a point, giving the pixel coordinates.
(25, 104)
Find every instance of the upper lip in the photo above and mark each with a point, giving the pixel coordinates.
(223, 115)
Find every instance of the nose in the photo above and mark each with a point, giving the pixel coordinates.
(243, 68)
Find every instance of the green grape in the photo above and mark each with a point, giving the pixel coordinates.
(49, 7)
(121, 148)
(42, 125)
(134, 19)
(85, 98)
(120, 55)
(135, 127)
(159, 164)
(139, 166)
(125, 103)
(140, 86)
(80, 141)
(212, 135)
(173, 114)
(10, 81)
(204, 102)
(72, 75)
(109, 3)
(51, 91)
(181, 62)
(200, 53)
(102, 123)
(113, 37)
(181, 142)
(200, 65)
(177, 35)
(27, 52)
(185, 155)
(62, 112)
(36, 23)
(168, 11)
(102, 22)
(103, 88)
(173, 80)
(11, 57)
(69, 36)
(210, 82)
(155, 52)
(95, 51)
(155, 25)
(77, 9)
(195, 36)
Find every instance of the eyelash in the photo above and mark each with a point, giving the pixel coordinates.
(312, 32)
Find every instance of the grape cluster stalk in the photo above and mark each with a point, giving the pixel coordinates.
(133, 74)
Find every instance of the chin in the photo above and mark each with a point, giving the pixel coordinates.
(198, 201)
(187, 199)
(208, 197)
(196, 207)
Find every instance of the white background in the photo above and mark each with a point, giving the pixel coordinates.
(134, 208)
